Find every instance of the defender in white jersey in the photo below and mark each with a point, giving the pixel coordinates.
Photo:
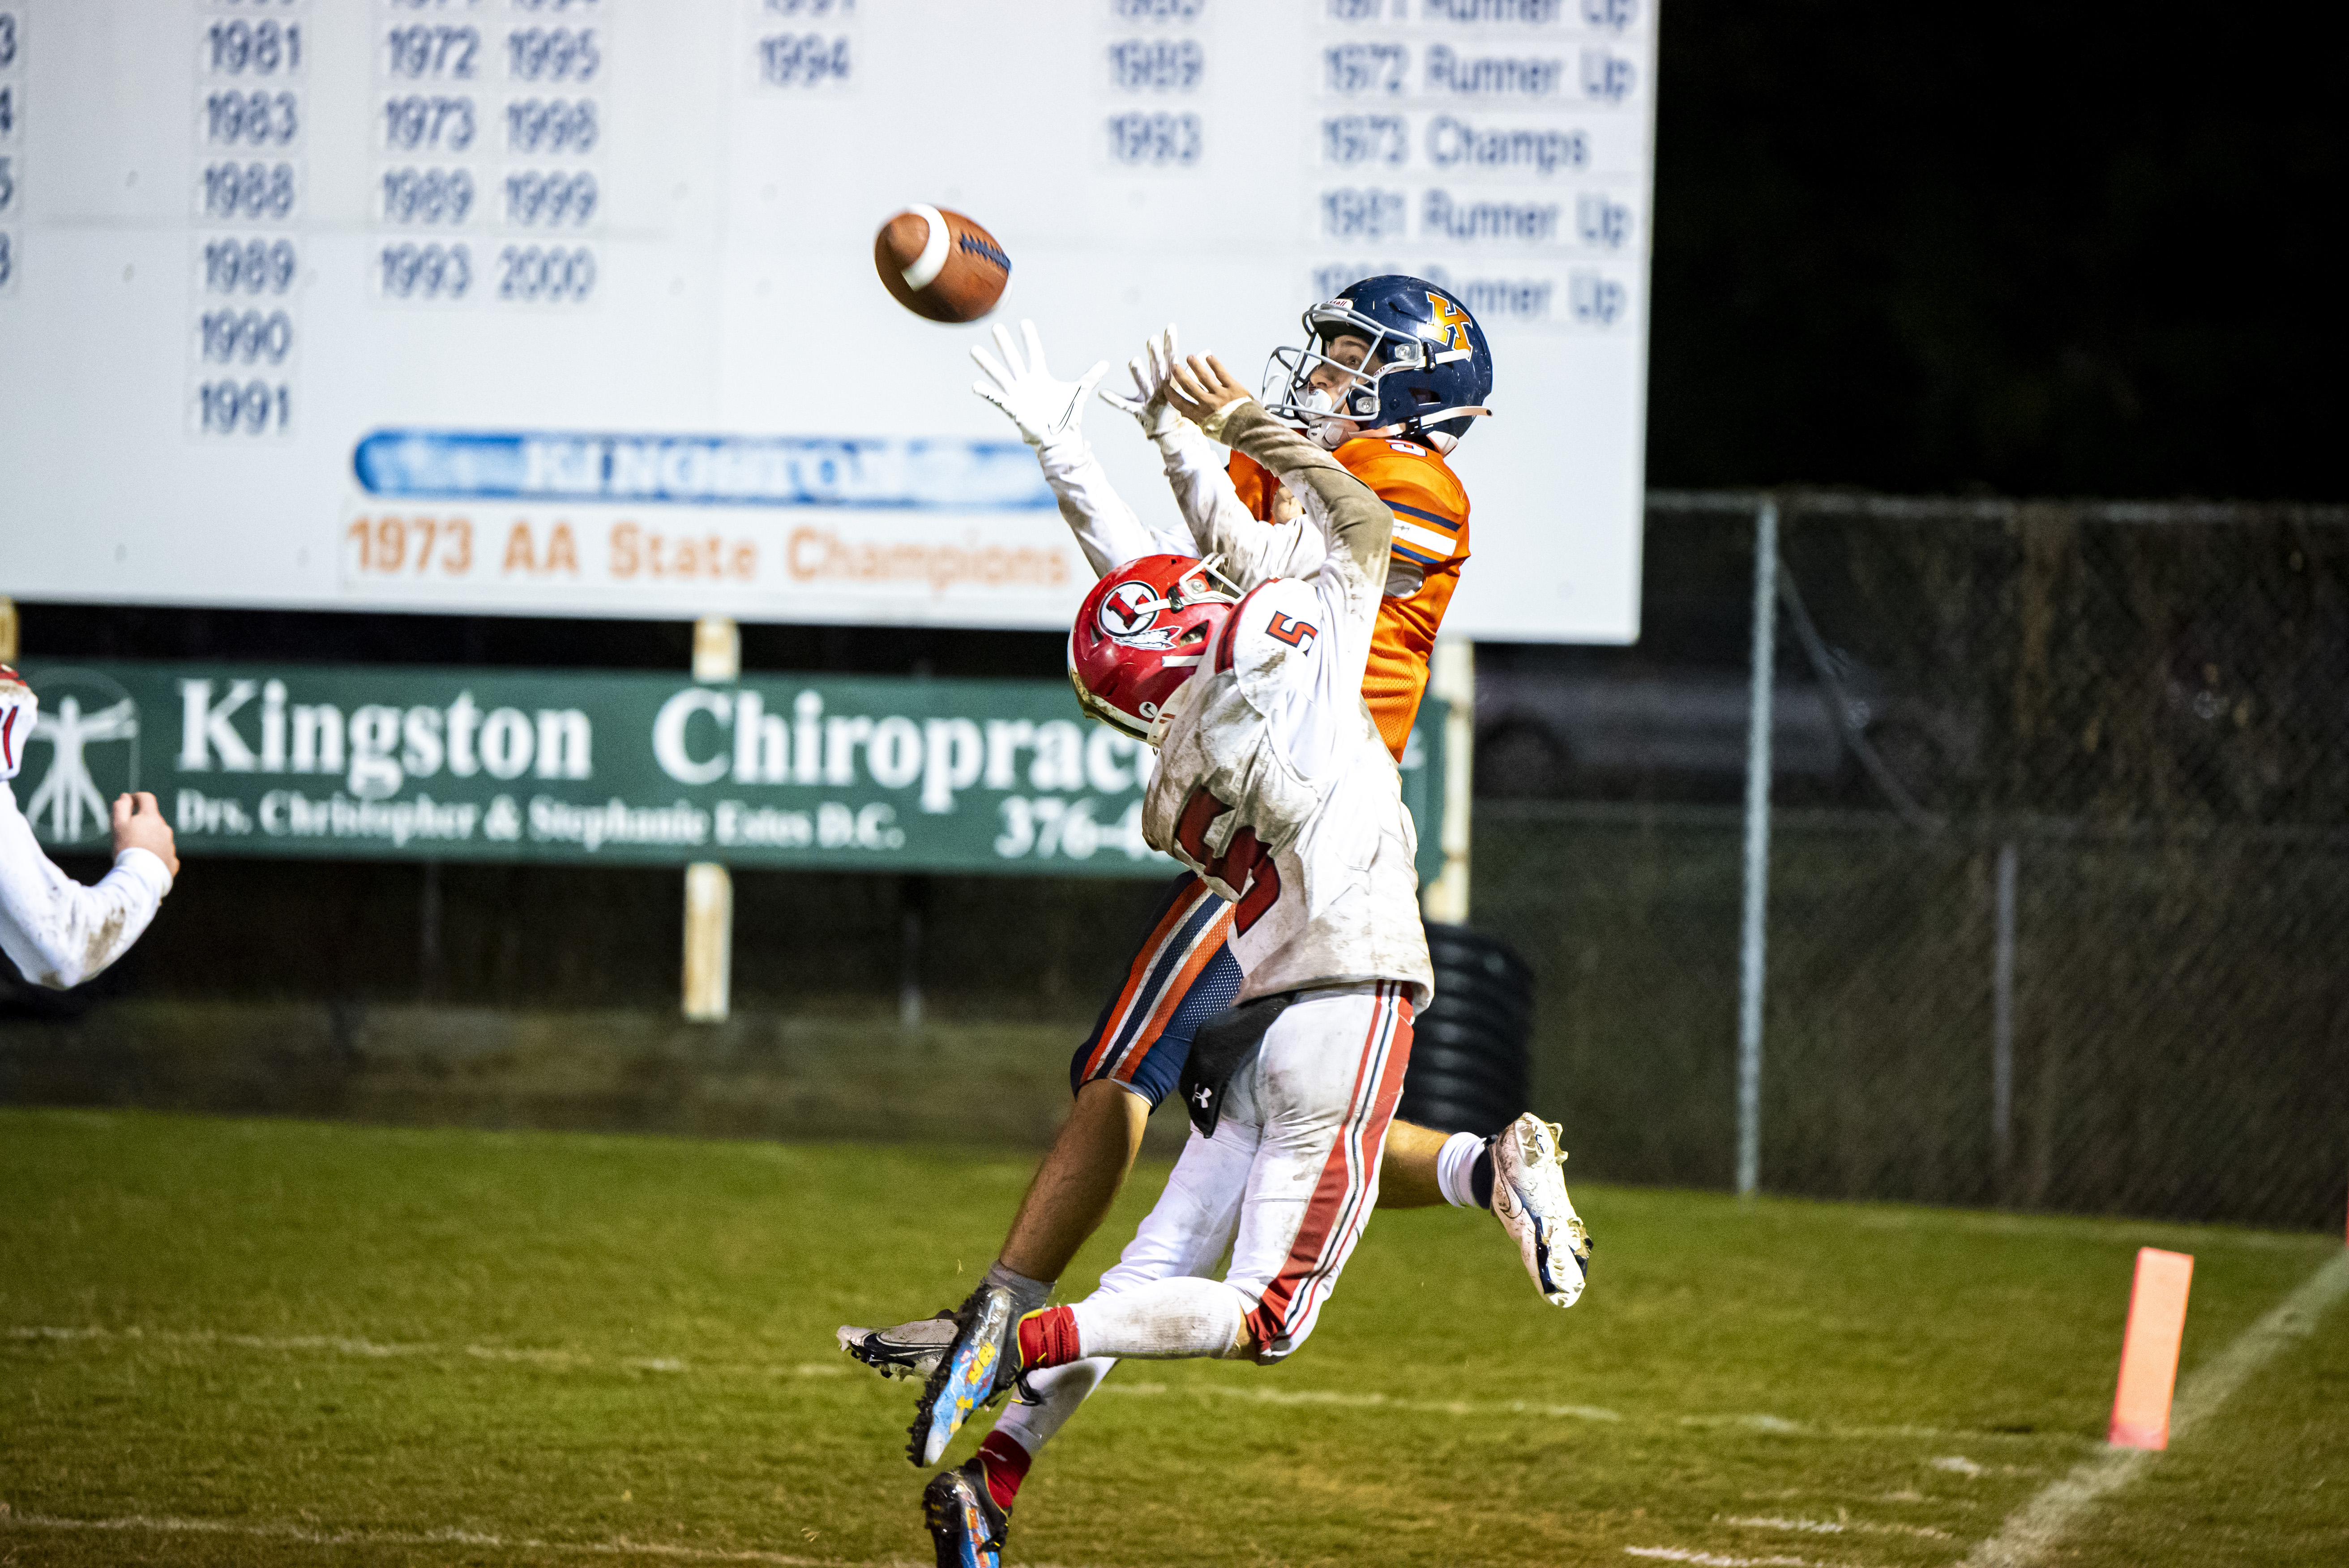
(1273, 784)
(1262, 743)
(1267, 787)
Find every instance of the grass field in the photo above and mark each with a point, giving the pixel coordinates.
(269, 1342)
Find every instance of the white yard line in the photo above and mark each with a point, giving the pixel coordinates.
(310, 1535)
(2030, 1533)
(1773, 1424)
(2195, 1239)
(569, 1358)
(343, 1345)
(444, 1535)
(1245, 1392)
(1838, 1526)
(1720, 1559)
(1342, 1399)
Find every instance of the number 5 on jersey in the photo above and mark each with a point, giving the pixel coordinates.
(1245, 871)
(1298, 634)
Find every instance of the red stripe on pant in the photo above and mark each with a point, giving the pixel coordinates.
(1335, 1214)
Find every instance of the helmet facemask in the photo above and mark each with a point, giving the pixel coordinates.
(1333, 418)
(1388, 394)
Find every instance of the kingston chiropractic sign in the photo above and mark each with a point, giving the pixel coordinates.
(379, 761)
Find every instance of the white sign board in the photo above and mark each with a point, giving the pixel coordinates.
(568, 307)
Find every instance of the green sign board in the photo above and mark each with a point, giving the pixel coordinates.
(427, 763)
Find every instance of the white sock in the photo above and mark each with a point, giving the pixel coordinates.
(1453, 1162)
(1061, 1389)
(1164, 1320)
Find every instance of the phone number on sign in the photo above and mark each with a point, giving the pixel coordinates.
(1045, 827)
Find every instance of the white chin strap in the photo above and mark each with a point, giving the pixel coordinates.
(1329, 431)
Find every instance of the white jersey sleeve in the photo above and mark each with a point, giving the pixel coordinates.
(1201, 485)
(1251, 551)
(56, 931)
(1108, 530)
(1339, 545)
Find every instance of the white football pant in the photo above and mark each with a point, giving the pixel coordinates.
(1288, 1182)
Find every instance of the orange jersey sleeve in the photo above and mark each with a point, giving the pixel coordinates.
(1255, 484)
(1431, 513)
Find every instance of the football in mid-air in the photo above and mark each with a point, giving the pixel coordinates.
(940, 264)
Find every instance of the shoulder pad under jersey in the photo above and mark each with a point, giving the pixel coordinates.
(1275, 631)
(1431, 508)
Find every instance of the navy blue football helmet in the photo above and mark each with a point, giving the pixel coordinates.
(1427, 373)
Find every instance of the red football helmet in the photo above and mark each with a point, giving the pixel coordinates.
(1143, 631)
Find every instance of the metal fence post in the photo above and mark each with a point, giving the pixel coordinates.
(913, 896)
(427, 935)
(708, 943)
(1758, 850)
(2001, 1028)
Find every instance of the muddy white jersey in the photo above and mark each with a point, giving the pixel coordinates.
(1272, 782)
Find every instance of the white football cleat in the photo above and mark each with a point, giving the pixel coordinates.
(909, 1350)
(1529, 1200)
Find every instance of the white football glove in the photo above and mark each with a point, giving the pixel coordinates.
(1048, 412)
(1150, 369)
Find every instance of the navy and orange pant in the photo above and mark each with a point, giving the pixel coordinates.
(1183, 976)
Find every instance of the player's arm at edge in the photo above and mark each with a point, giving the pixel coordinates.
(1109, 532)
(1221, 524)
(1355, 521)
(1196, 473)
(59, 932)
(1254, 549)
(1050, 415)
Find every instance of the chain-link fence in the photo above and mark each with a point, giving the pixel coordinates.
(2058, 899)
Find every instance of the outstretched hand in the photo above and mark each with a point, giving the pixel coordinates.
(1200, 388)
(1048, 412)
(1150, 370)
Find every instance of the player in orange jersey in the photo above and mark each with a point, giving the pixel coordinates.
(1403, 463)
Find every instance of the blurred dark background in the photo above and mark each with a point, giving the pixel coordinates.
(2056, 249)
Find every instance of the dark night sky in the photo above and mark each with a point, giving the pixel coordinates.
(2047, 249)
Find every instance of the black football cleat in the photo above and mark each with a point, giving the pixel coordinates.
(965, 1524)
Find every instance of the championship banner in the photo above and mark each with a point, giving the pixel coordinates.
(391, 762)
(569, 307)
